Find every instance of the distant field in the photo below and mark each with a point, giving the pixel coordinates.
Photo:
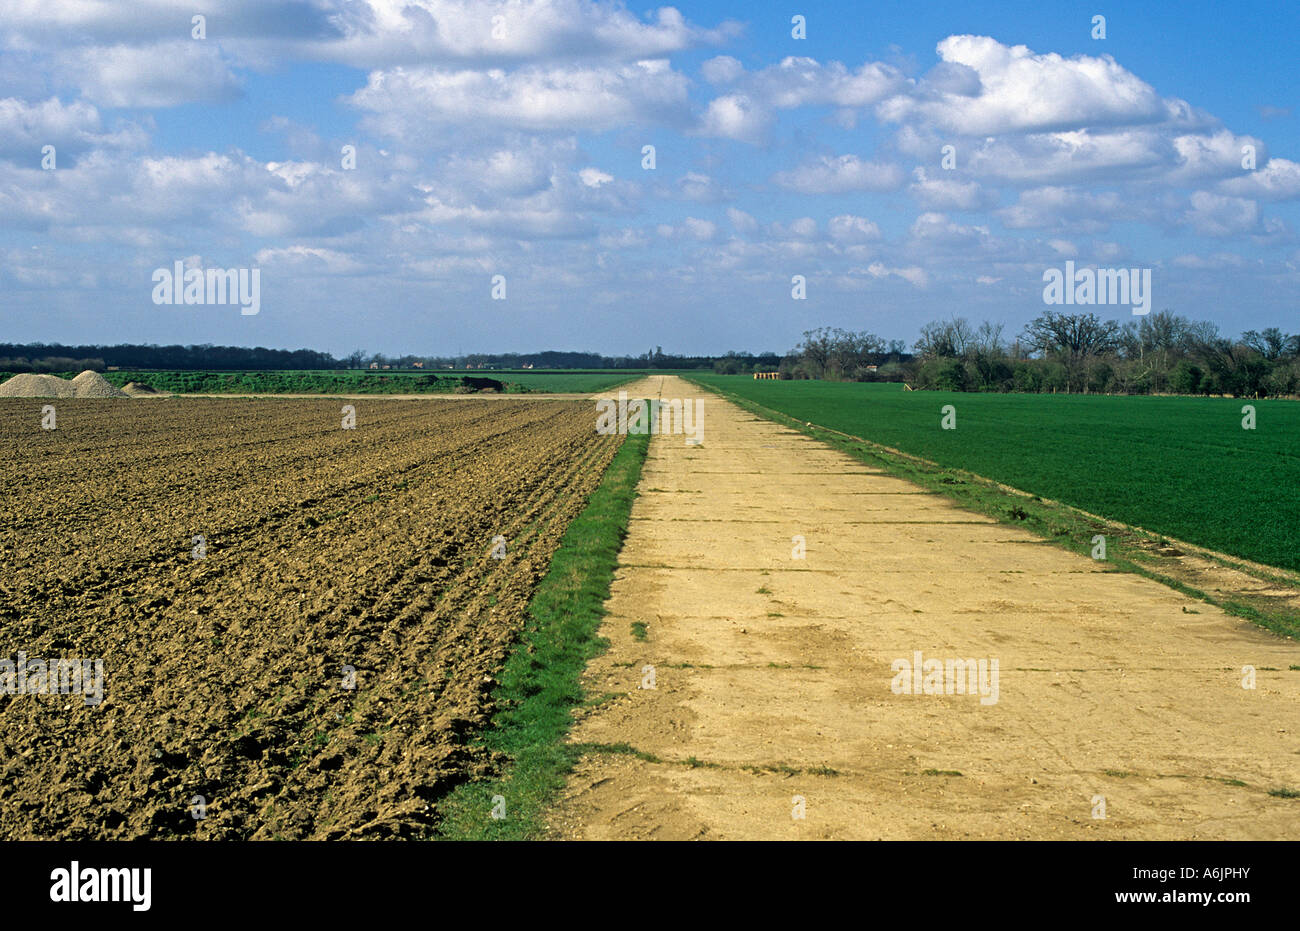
(561, 382)
(351, 381)
(1183, 467)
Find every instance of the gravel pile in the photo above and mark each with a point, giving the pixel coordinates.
(31, 385)
(86, 385)
(94, 385)
(137, 390)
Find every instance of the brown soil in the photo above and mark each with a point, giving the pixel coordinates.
(326, 547)
(773, 675)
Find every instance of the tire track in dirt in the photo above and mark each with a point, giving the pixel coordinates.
(773, 675)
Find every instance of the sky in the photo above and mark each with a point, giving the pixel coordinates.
(896, 163)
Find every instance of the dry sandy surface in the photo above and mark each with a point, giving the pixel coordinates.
(773, 675)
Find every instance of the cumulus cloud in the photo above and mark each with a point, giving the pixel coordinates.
(805, 82)
(308, 260)
(378, 33)
(722, 69)
(482, 140)
(748, 111)
(937, 229)
(1216, 215)
(166, 74)
(847, 228)
(416, 103)
(1023, 91)
(736, 116)
(594, 177)
(384, 31)
(1277, 180)
(913, 275)
(949, 193)
(71, 128)
(701, 188)
(741, 221)
(1056, 207)
(700, 229)
(839, 175)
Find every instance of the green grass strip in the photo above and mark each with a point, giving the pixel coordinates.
(541, 681)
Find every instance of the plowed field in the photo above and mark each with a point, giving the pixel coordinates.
(224, 676)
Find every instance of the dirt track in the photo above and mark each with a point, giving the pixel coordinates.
(773, 675)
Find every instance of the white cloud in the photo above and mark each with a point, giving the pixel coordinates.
(701, 188)
(736, 116)
(741, 221)
(415, 30)
(416, 103)
(702, 230)
(1279, 179)
(949, 193)
(308, 260)
(73, 127)
(937, 229)
(1215, 215)
(914, 275)
(839, 175)
(847, 228)
(377, 33)
(804, 82)
(1069, 208)
(1021, 91)
(594, 177)
(722, 69)
(163, 75)
(748, 112)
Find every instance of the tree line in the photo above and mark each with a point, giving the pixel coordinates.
(56, 357)
(1161, 353)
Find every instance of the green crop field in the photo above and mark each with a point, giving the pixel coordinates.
(1183, 467)
(560, 381)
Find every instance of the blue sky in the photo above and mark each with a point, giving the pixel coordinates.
(513, 146)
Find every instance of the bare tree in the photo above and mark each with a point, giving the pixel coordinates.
(946, 338)
(1078, 335)
(1272, 343)
(1076, 338)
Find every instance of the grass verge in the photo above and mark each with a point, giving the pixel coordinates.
(541, 681)
(1264, 595)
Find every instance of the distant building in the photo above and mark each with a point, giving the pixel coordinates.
(417, 365)
(375, 365)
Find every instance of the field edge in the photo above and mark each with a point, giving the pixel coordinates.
(540, 683)
(1252, 596)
